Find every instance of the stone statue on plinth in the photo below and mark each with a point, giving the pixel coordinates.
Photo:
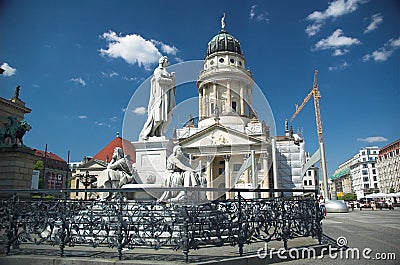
(118, 173)
(182, 175)
(161, 102)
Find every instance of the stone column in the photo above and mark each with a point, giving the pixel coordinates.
(200, 103)
(215, 97)
(205, 114)
(250, 96)
(210, 184)
(266, 174)
(228, 96)
(241, 99)
(228, 183)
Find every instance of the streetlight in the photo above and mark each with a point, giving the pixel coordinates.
(87, 180)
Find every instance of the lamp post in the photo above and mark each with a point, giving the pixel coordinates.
(87, 180)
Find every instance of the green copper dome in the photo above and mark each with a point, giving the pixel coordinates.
(223, 41)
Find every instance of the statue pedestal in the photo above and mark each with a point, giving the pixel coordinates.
(151, 159)
(16, 168)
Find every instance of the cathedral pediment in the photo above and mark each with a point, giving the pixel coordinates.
(218, 136)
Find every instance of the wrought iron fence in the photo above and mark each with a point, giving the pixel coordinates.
(127, 224)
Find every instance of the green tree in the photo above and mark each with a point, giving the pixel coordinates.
(391, 190)
(350, 197)
(39, 166)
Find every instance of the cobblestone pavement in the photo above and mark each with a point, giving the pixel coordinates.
(377, 230)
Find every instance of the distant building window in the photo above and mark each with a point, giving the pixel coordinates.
(305, 182)
(310, 182)
(221, 60)
(309, 173)
(232, 60)
(236, 167)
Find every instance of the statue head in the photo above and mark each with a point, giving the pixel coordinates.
(177, 150)
(118, 153)
(163, 61)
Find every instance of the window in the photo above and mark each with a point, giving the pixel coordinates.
(310, 182)
(305, 182)
(221, 171)
(234, 106)
(221, 60)
(309, 173)
(236, 167)
(258, 166)
(232, 60)
(366, 179)
(375, 178)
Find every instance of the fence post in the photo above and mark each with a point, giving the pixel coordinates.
(12, 233)
(240, 236)
(120, 225)
(185, 236)
(64, 227)
(285, 232)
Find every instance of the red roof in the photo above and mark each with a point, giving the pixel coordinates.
(49, 155)
(107, 152)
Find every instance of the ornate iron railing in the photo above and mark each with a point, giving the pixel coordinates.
(127, 224)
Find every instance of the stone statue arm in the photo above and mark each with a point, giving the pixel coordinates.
(121, 164)
(180, 164)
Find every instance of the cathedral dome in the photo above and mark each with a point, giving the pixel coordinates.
(223, 41)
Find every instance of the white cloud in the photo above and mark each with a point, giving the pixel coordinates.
(263, 16)
(165, 47)
(340, 52)
(313, 29)
(252, 11)
(130, 78)
(335, 9)
(8, 70)
(336, 40)
(135, 49)
(140, 110)
(373, 139)
(383, 53)
(113, 119)
(78, 81)
(376, 19)
(338, 67)
(82, 117)
(109, 74)
(102, 124)
(178, 59)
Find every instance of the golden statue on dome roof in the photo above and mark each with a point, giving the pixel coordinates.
(223, 22)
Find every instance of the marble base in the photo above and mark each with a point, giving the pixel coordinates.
(151, 159)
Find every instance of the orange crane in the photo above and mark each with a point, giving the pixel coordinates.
(314, 92)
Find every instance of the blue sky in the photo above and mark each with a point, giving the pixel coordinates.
(80, 62)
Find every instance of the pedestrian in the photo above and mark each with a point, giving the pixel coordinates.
(390, 204)
(373, 205)
(352, 206)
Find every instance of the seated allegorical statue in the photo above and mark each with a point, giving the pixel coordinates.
(118, 173)
(182, 175)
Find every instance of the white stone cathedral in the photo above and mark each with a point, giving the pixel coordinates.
(228, 130)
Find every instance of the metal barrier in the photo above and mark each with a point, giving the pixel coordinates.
(127, 224)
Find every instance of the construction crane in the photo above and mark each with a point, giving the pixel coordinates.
(320, 154)
(314, 92)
